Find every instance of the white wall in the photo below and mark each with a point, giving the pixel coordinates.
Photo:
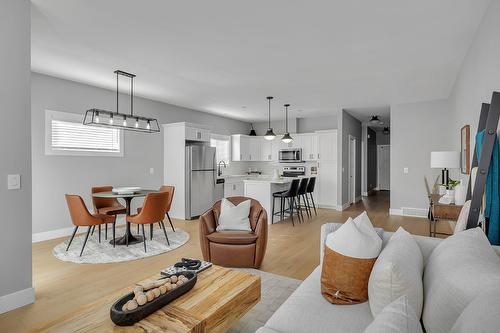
(311, 124)
(53, 176)
(479, 77)
(416, 130)
(15, 205)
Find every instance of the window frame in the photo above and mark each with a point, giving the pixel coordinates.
(221, 137)
(73, 118)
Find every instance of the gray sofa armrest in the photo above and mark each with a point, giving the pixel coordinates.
(331, 227)
(265, 329)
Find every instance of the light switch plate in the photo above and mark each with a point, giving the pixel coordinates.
(13, 182)
(405, 170)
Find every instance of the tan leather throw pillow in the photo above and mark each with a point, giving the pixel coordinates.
(350, 253)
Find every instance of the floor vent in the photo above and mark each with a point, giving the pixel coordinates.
(417, 212)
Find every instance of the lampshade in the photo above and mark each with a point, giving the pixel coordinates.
(445, 159)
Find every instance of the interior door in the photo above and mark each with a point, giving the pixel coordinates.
(384, 167)
(352, 170)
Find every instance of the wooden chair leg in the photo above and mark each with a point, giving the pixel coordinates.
(169, 220)
(143, 237)
(114, 239)
(165, 232)
(85, 241)
(151, 231)
(71, 239)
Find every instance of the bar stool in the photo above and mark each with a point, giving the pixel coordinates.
(289, 195)
(302, 194)
(310, 190)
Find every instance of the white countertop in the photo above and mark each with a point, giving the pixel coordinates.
(269, 179)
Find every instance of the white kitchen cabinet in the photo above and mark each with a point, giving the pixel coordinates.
(269, 149)
(233, 189)
(240, 147)
(327, 182)
(327, 145)
(197, 134)
(309, 145)
(254, 148)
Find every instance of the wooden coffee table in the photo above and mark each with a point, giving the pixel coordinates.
(220, 297)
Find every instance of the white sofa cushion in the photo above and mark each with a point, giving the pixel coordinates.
(306, 311)
(462, 218)
(398, 271)
(397, 317)
(234, 217)
(482, 315)
(460, 268)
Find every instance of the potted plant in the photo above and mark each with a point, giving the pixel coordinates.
(450, 189)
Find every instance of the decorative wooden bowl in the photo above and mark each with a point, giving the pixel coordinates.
(127, 318)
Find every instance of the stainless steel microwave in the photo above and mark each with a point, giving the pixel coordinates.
(290, 155)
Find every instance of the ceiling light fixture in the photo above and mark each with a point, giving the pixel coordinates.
(269, 133)
(286, 138)
(375, 120)
(93, 117)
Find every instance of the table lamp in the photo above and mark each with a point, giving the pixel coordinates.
(445, 160)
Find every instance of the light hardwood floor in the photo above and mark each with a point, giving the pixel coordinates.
(63, 288)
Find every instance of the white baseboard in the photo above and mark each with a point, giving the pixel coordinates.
(46, 235)
(343, 206)
(63, 232)
(409, 211)
(17, 299)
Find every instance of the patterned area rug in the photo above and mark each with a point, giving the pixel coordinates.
(100, 253)
(275, 290)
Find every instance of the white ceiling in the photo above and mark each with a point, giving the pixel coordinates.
(217, 56)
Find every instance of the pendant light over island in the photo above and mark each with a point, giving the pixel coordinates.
(269, 133)
(286, 137)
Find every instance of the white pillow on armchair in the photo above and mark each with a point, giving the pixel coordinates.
(234, 217)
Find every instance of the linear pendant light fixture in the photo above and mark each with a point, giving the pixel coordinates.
(131, 122)
(270, 133)
(286, 138)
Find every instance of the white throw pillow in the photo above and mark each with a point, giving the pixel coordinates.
(462, 218)
(482, 315)
(457, 271)
(234, 218)
(397, 317)
(355, 238)
(398, 271)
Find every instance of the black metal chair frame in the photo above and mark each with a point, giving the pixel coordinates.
(310, 189)
(290, 195)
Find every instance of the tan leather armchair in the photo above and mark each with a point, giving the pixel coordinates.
(234, 248)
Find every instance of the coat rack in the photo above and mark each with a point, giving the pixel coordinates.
(488, 121)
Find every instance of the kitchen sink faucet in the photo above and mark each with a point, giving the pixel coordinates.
(219, 170)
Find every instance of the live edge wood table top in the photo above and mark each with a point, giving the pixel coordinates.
(220, 297)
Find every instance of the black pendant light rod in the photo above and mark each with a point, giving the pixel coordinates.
(286, 117)
(269, 98)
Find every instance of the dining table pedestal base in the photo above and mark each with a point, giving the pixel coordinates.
(131, 240)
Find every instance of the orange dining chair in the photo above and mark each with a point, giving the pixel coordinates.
(170, 190)
(82, 218)
(152, 212)
(107, 206)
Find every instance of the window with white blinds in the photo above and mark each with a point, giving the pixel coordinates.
(66, 135)
(222, 147)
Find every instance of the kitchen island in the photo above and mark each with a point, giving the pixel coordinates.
(262, 189)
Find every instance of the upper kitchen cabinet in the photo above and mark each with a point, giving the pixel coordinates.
(309, 145)
(270, 148)
(195, 133)
(246, 148)
(327, 145)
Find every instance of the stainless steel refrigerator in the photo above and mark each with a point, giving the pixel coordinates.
(201, 177)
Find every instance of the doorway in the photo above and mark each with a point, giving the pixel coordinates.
(351, 176)
(384, 167)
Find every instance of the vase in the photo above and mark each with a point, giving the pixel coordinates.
(450, 195)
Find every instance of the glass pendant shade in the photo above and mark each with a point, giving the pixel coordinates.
(287, 138)
(269, 134)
